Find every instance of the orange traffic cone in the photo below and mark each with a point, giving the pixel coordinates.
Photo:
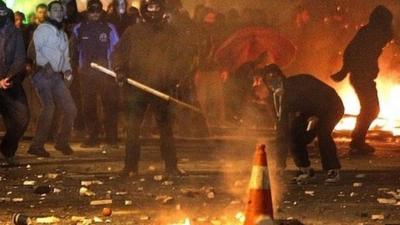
(260, 199)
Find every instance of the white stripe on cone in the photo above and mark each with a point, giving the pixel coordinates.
(259, 178)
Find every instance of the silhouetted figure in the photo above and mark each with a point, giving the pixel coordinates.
(305, 108)
(148, 52)
(361, 61)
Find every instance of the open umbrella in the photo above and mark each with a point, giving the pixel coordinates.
(248, 43)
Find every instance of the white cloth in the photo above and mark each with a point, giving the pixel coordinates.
(51, 46)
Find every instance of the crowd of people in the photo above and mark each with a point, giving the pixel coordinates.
(162, 46)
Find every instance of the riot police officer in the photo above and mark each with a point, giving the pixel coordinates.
(148, 52)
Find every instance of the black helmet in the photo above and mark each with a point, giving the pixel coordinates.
(152, 11)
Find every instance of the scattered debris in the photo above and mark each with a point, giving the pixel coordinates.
(80, 220)
(56, 190)
(361, 175)
(189, 192)
(5, 199)
(91, 182)
(101, 202)
(144, 218)
(20, 219)
(311, 193)
(128, 202)
(158, 177)
(165, 199)
(52, 175)
(211, 195)
(107, 212)
(97, 219)
(121, 193)
(389, 201)
(29, 183)
(83, 191)
(50, 219)
(383, 189)
(17, 200)
(378, 217)
(167, 183)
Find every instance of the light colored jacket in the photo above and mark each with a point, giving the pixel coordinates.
(51, 46)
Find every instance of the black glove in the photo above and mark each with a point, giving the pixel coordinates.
(120, 78)
(339, 76)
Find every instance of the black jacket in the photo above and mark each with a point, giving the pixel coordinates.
(13, 52)
(149, 55)
(308, 96)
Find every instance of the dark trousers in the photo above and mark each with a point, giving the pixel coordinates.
(137, 105)
(369, 109)
(53, 94)
(94, 85)
(327, 147)
(15, 112)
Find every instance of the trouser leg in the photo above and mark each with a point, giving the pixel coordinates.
(89, 92)
(369, 109)
(164, 122)
(64, 102)
(110, 100)
(15, 113)
(43, 86)
(136, 111)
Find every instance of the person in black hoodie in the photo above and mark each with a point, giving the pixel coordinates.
(13, 103)
(305, 108)
(360, 59)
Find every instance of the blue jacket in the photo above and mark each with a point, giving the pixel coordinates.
(93, 42)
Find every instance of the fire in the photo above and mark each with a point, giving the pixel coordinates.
(389, 117)
(237, 219)
(186, 221)
(240, 217)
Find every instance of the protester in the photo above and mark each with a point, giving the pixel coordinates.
(51, 80)
(93, 40)
(13, 103)
(360, 59)
(305, 108)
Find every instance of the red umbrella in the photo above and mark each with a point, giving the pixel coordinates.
(248, 43)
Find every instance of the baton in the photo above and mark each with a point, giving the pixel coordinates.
(146, 88)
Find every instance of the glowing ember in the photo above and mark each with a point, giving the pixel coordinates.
(389, 117)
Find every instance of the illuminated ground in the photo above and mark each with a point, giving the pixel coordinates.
(219, 168)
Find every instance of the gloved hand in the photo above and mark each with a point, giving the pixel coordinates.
(68, 78)
(121, 78)
(339, 76)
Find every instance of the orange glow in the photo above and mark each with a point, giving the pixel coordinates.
(389, 116)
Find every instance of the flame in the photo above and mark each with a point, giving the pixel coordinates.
(240, 217)
(389, 116)
(186, 221)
